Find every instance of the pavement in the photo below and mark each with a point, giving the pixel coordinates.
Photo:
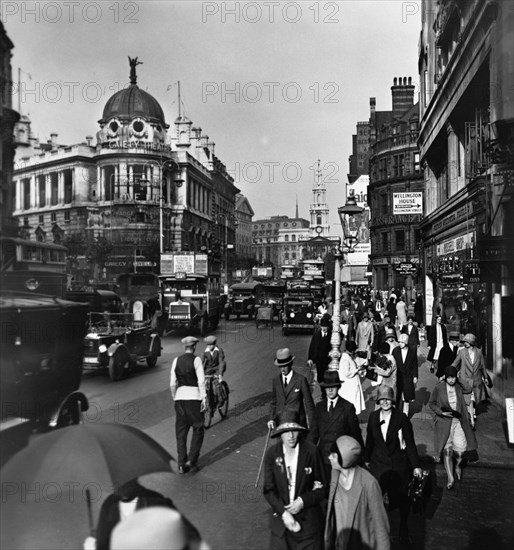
(225, 502)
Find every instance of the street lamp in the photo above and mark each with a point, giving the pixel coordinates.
(350, 240)
(227, 218)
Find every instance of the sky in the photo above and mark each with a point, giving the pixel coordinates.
(276, 85)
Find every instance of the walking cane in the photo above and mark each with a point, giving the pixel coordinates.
(262, 459)
(92, 530)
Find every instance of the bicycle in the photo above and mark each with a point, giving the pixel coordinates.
(213, 400)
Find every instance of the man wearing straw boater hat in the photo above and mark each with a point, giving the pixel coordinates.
(294, 485)
(333, 417)
(290, 390)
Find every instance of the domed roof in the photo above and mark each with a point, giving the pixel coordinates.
(133, 102)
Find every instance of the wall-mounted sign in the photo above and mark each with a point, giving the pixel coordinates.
(406, 268)
(408, 203)
(471, 271)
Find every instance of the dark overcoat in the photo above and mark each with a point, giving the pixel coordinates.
(310, 484)
(405, 373)
(296, 397)
(439, 400)
(326, 429)
(388, 462)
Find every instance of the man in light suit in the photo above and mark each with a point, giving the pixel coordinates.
(294, 485)
(290, 391)
(333, 418)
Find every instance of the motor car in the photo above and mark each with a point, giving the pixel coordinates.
(298, 313)
(244, 298)
(117, 343)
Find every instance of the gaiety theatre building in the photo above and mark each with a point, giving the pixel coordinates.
(141, 189)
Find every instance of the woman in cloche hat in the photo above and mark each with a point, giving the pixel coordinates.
(470, 365)
(392, 455)
(294, 486)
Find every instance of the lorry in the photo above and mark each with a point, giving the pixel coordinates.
(191, 291)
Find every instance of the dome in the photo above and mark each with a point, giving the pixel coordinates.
(133, 102)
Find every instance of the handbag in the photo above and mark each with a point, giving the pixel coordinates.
(371, 374)
(419, 491)
(486, 379)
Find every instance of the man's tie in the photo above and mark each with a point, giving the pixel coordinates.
(285, 381)
(331, 408)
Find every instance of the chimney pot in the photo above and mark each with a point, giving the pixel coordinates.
(395, 81)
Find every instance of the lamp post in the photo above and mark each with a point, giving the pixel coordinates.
(348, 244)
(227, 219)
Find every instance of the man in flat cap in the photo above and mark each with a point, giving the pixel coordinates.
(290, 390)
(187, 384)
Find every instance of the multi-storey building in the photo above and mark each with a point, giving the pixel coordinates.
(138, 191)
(395, 175)
(276, 240)
(466, 66)
(359, 159)
(244, 251)
(8, 117)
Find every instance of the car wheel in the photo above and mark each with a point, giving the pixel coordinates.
(117, 366)
(151, 360)
(224, 407)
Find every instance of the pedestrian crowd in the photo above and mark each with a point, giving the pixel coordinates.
(328, 486)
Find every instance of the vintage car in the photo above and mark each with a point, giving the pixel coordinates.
(41, 340)
(298, 312)
(244, 298)
(273, 296)
(117, 343)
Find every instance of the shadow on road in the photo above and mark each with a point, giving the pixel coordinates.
(256, 407)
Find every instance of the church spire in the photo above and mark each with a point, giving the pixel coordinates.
(296, 214)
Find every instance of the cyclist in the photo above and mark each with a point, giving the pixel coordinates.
(214, 364)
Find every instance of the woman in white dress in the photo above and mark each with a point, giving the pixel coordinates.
(349, 374)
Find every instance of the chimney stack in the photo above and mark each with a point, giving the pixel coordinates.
(402, 92)
(89, 140)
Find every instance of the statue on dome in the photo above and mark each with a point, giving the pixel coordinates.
(133, 62)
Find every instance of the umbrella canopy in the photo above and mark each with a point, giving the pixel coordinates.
(44, 486)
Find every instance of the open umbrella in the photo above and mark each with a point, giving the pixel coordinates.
(44, 486)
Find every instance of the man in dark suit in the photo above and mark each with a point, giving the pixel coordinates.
(392, 455)
(290, 390)
(294, 485)
(319, 349)
(127, 499)
(407, 372)
(332, 418)
(411, 330)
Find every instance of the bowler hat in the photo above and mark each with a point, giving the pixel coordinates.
(289, 421)
(454, 335)
(330, 379)
(470, 339)
(209, 340)
(189, 340)
(450, 371)
(283, 357)
(385, 392)
(325, 321)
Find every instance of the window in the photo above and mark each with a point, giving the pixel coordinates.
(53, 217)
(68, 186)
(383, 204)
(41, 183)
(54, 189)
(25, 185)
(293, 238)
(286, 238)
(385, 242)
(417, 167)
(41, 220)
(400, 240)
(67, 217)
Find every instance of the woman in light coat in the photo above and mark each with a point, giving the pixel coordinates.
(351, 388)
(470, 365)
